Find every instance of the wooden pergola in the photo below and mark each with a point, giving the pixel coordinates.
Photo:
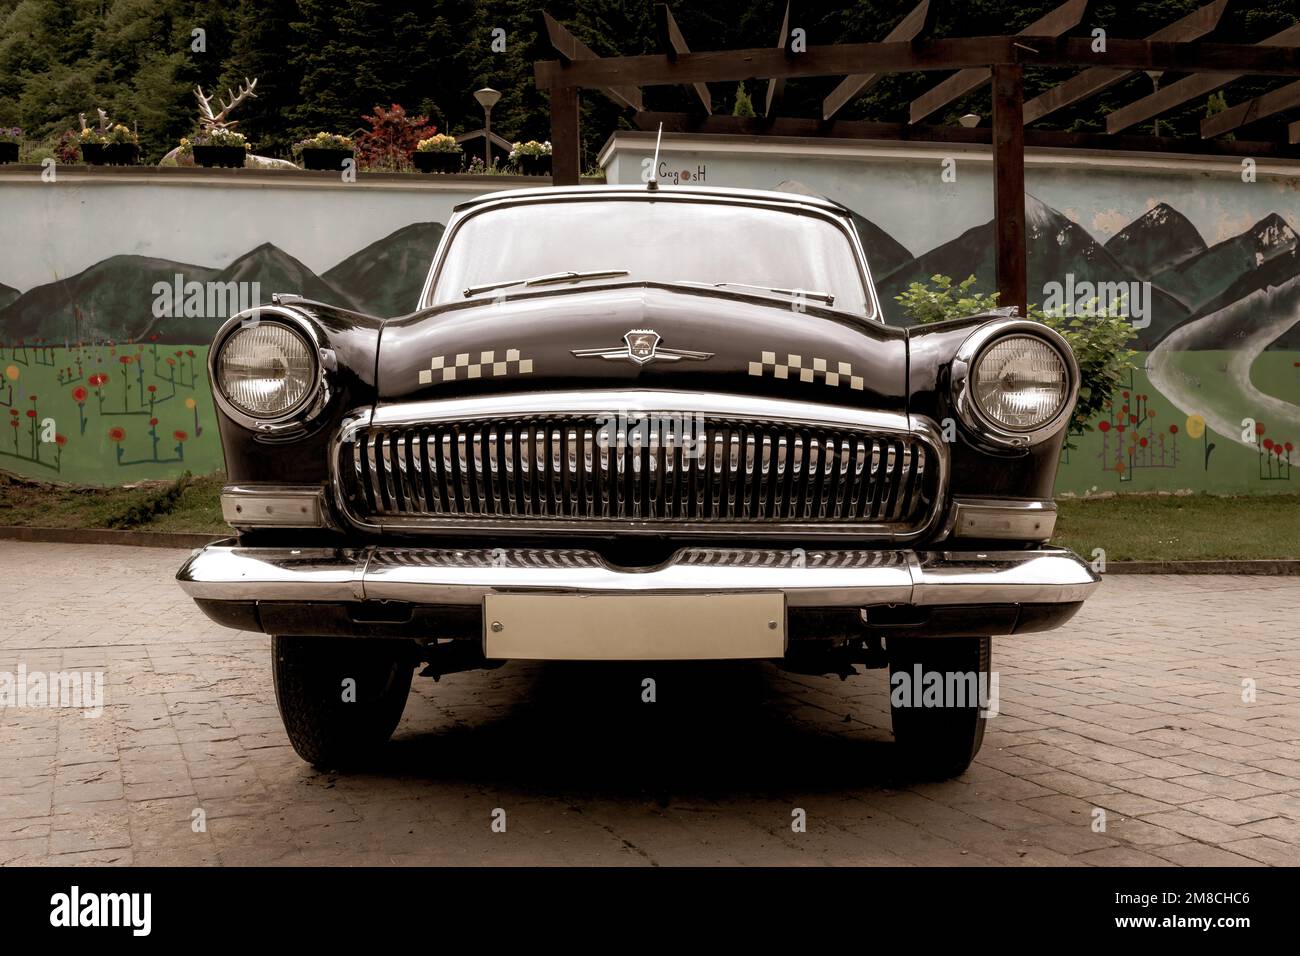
(1177, 48)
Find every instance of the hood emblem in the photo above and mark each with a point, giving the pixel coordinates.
(641, 347)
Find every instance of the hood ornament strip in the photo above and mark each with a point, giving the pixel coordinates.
(641, 347)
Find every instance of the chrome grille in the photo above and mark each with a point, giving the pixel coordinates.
(577, 473)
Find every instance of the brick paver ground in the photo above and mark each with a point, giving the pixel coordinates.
(1135, 709)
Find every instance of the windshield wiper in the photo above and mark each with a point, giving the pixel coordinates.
(549, 279)
(792, 293)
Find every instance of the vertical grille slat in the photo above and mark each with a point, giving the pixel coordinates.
(671, 471)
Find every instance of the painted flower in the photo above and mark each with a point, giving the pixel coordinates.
(180, 435)
(116, 433)
(60, 440)
(153, 422)
(1173, 429)
(79, 393)
(1104, 426)
(31, 413)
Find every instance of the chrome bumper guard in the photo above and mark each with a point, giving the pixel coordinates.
(226, 572)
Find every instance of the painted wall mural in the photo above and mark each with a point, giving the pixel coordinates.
(1211, 267)
(1207, 261)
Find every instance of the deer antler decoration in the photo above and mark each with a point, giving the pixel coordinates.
(210, 120)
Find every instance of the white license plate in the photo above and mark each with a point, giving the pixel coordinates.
(633, 627)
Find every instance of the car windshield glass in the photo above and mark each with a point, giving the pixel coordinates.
(673, 241)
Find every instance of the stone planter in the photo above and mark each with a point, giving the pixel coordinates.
(331, 159)
(436, 161)
(110, 154)
(534, 165)
(228, 157)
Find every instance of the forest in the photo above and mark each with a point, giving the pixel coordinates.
(322, 64)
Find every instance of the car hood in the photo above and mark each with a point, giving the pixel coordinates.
(736, 343)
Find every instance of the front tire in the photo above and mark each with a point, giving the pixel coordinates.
(331, 723)
(938, 742)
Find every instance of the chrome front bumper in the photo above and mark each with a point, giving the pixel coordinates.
(225, 572)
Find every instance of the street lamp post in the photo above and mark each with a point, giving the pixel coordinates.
(487, 98)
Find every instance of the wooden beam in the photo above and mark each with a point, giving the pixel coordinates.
(758, 128)
(671, 39)
(566, 159)
(571, 49)
(917, 22)
(1055, 22)
(1186, 89)
(1009, 185)
(1091, 82)
(776, 85)
(947, 53)
(1269, 104)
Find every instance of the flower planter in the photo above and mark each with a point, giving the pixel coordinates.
(534, 165)
(8, 152)
(231, 157)
(110, 154)
(437, 161)
(331, 159)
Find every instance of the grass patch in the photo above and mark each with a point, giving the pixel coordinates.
(1181, 528)
(187, 504)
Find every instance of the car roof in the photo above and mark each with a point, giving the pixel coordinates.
(617, 191)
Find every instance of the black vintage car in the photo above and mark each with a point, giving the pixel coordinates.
(630, 423)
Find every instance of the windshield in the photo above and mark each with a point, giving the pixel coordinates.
(659, 241)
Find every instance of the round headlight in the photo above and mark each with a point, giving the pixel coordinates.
(266, 370)
(1020, 382)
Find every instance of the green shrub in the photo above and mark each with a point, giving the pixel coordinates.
(1099, 339)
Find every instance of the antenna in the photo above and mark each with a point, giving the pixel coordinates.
(652, 183)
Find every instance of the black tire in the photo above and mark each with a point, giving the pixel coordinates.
(936, 742)
(325, 730)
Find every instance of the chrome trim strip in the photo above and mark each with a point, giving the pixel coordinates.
(964, 362)
(810, 471)
(273, 506)
(429, 576)
(1029, 519)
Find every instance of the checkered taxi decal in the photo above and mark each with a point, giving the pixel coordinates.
(818, 368)
(488, 364)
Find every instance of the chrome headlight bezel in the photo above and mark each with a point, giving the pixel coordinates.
(969, 354)
(313, 401)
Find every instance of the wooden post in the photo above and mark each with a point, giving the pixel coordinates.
(1009, 184)
(566, 159)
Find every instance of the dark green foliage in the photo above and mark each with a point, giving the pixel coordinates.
(323, 64)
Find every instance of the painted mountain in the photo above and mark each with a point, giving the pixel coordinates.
(1156, 241)
(1057, 247)
(1263, 299)
(7, 294)
(385, 278)
(113, 299)
(1200, 279)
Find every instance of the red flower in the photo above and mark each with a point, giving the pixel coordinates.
(151, 388)
(153, 421)
(179, 435)
(171, 362)
(116, 433)
(31, 413)
(1289, 447)
(1259, 428)
(1133, 419)
(1173, 429)
(1119, 428)
(79, 393)
(1125, 394)
(1143, 443)
(60, 440)
(1268, 443)
(1104, 426)
(126, 360)
(190, 353)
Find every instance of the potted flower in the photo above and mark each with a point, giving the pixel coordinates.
(532, 158)
(216, 143)
(9, 140)
(324, 151)
(439, 153)
(108, 143)
(218, 148)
